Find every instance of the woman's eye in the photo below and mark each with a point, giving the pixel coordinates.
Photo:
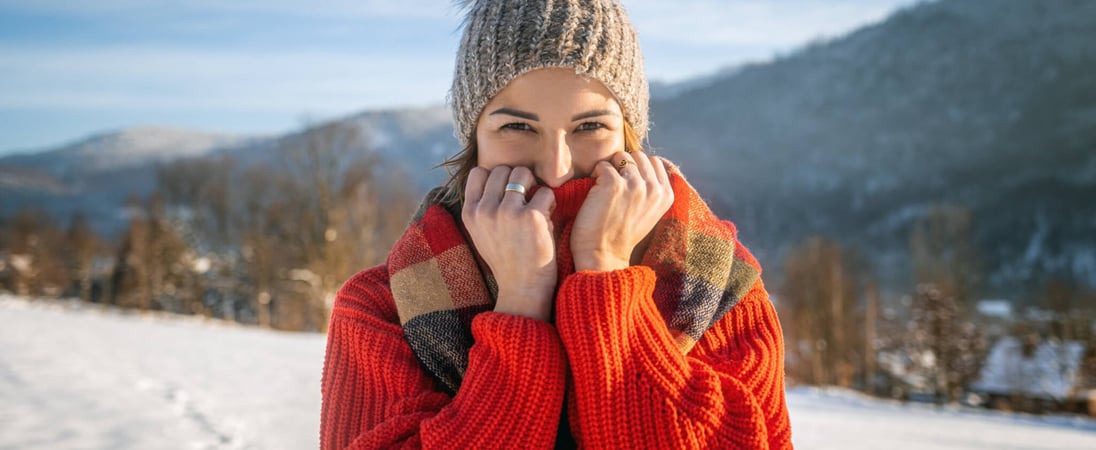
(517, 126)
(590, 126)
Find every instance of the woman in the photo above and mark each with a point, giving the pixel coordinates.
(564, 287)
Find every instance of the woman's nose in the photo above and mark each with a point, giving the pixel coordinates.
(555, 167)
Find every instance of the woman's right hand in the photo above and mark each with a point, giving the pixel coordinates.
(514, 237)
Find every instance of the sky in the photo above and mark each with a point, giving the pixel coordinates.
(71, 68)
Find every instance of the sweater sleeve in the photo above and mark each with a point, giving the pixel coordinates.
(633, 388)
(376, 395)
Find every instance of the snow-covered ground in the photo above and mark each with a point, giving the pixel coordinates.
(832, 419)
(75, 376)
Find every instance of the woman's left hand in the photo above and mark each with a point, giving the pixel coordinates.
(624, 205)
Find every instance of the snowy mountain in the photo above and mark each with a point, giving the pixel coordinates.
(95, 175)
(987, 106)
(116, 150)
(77, 375)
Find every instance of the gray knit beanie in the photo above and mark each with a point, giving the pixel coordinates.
(506, 38)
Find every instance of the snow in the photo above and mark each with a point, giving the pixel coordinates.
(836, 419)
(78, 376)
(1036, 244)
(137, 145)
(1001, 309)
(143, 141)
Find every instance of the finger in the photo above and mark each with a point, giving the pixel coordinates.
(473, 185)
(660, 170)
(626, 165)
(543, 200)
(605, 171)
(619, 159)
(524, 177)
(646, 169)
(496, 182)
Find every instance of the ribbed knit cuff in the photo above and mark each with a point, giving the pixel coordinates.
(611, 317)
(518, 346)
(611, 295)
(513, 387)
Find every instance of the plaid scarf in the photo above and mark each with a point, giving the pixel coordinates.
(439, 283)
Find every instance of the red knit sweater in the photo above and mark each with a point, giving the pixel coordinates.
(609, 353)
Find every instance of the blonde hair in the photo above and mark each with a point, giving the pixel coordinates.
(460, 164)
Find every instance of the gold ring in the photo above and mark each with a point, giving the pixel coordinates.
(623, 163)
(515, 187)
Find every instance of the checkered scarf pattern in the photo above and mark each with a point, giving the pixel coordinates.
(439, 283)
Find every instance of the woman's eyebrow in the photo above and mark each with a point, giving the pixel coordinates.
(516, 113)
(594, 113)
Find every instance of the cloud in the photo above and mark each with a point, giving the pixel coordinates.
(419, 9)
(137, 77)
(781, 24)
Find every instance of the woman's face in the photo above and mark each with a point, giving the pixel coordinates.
(553, 121)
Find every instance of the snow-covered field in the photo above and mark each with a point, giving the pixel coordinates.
(74, 376)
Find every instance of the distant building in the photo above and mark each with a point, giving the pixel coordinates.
(1034, 375)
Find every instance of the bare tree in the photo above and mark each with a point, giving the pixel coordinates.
(944, 255)
(352, 210)
(819, 299)
(318, 158)
(944, 349)
(872, 343)
(199, 190)
(36, 255)
(274, 241)
(152, 261)
(309, 225)
(81, 246)
(265, 220)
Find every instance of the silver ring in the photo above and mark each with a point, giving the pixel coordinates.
(515, 187)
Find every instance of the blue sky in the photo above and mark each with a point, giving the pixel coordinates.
(69, 68)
